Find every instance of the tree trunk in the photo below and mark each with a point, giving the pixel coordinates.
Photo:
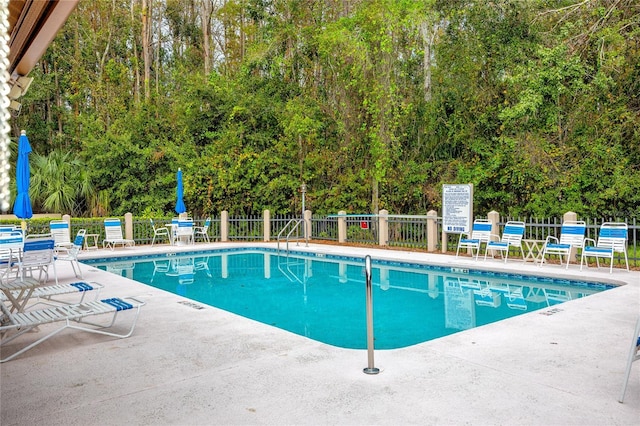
(146, 49)
(206, 11)
(428, 40)
(136, 68)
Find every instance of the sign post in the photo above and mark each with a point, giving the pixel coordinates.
(457, 210)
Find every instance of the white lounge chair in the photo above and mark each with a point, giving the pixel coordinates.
(61, 234)
(113, 234)
(48, 293)
(571, 238)
(70, 316)
(612, 239)
(480, 233)
(511, 237)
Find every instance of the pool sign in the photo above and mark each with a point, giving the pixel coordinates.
(457, 208)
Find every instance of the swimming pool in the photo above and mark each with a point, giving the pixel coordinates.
(322, 297)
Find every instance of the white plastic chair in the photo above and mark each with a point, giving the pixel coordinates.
(480, 233)
(185, 231)
(61, 234)
(571, 238)
(634, 355)
(511, 237)
(71, 255)
(38, 255)
(161, 231)
(612, 239)
(11, 244)
(113, 234)
(202, 231)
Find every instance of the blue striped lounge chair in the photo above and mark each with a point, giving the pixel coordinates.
(15, 324)
(612, 239)
(113, 234)
(512, 236)
(47, 294)
(571, 238)
(480, 233)
(61, 234)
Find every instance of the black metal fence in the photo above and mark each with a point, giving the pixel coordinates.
(403, 231)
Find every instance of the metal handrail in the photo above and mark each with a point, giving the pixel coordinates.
(295, 223)
(370, 369)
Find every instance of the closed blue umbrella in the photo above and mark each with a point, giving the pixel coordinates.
(180, 207)
(22, 206)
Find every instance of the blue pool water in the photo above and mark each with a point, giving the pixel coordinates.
(323, 297)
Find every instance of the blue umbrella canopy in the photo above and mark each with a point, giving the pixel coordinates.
(22, 206)
(180, 207)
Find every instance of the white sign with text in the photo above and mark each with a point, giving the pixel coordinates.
(457, 208)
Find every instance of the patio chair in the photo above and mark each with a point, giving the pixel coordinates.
(184, 234)
(70, 316)
(11, 244)
(113, 234)
(634, 355)
(202, 231)
(571, 238)
(37, 256)
(71, 255)
(173, 229)
(480, 233)
(612, 239)
(511, 237)
(161, 231)
(61, 234)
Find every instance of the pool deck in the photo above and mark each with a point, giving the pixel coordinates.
(188, 366)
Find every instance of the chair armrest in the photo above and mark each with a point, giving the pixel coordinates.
(584, 242)
(551, 239)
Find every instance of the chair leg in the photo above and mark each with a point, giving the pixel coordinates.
(634, 355)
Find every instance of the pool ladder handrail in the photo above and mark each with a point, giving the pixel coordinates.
(370, 369)
(294, 224)
(290, 274)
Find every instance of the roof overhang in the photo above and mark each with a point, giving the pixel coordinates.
(33, 24)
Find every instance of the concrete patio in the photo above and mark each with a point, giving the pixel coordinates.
(187, 366)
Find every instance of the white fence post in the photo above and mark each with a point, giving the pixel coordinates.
(383, 228)
(267, 225)
(224, 226)
(432, 230)
(342, 227)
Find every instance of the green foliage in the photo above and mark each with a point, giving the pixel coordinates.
(60, 183)
(535, 104)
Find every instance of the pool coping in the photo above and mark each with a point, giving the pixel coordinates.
(188, 366)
